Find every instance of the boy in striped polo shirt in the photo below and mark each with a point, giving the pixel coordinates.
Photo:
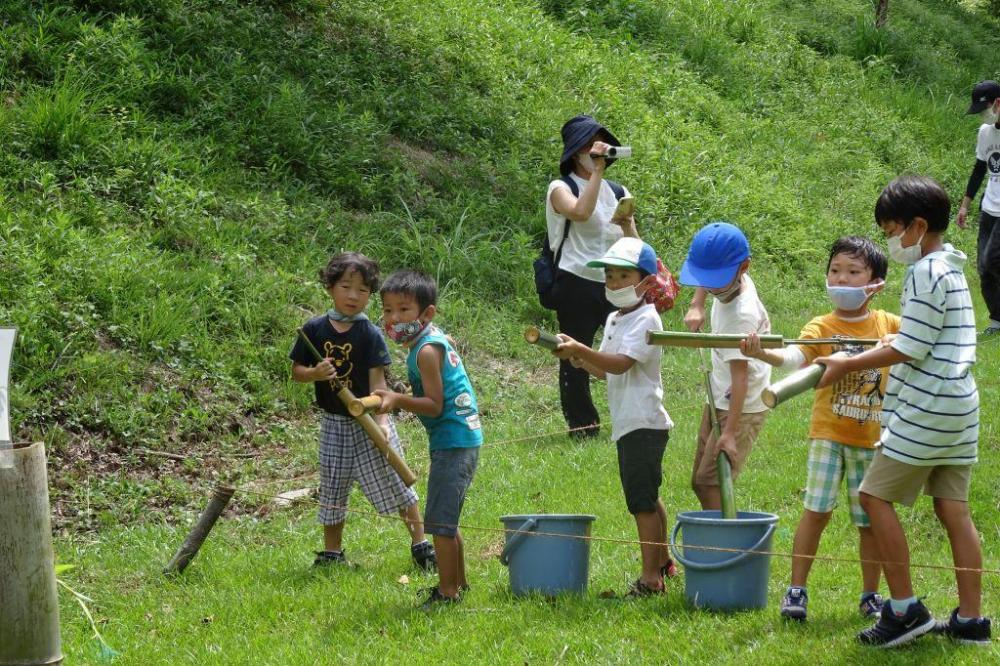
(930, 416)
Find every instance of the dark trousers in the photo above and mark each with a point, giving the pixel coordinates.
(988, 262)
(582, 309)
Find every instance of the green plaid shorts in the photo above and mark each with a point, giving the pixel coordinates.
(829, 462)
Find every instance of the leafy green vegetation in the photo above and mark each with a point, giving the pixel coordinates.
(174, 173)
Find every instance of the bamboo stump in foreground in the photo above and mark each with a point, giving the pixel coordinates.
(196, 537)
(29, 605)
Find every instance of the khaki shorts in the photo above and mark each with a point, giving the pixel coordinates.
(705, 472)
(900, 483)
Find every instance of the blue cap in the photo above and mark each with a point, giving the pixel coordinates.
(628, 252)
(716, 253)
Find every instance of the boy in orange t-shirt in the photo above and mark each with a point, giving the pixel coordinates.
(845, 417)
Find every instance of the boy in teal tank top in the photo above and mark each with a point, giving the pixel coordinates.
(445, 403)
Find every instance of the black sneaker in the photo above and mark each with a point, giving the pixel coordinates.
(793, 606)
(435, 598)
(974, 632)
(990, 332)
(892, 630)
(871, 605)
(424, 556)
(327, 557)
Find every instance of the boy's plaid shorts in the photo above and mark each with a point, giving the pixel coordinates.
(829, 462)
(347, 455)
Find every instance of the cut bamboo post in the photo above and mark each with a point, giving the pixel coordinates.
(788, 387)
(537, 336)
(365, 405)
(7, 336)
(29, 605)
(196, 537)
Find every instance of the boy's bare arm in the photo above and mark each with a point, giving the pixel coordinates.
(616, 364)
(577, 362)
(737, 397)
(695, 317)
(838, 366)
(320, 372)
(376, 381)
(429, 360)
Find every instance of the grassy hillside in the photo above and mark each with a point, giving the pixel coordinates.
(174, 173)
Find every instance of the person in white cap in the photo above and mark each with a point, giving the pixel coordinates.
(640, 426)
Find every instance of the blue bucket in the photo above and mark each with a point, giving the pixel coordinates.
(547, 564)
(719, 579)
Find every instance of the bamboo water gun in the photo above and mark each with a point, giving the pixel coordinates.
(731, 341)
(536, 336)
(351, 402)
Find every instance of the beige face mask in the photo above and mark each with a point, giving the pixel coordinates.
(731, 291)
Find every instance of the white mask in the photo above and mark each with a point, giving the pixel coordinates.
(904, 255)
(851, 298)
(622, 298)
(586, 161)
(730, 292)
(989, 115)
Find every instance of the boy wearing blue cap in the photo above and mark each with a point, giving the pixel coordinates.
(640, 426)
(717, 262)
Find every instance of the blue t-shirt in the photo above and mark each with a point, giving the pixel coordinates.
(353, 353)
(458, 424)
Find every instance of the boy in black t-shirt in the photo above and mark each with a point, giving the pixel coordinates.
(356, 355)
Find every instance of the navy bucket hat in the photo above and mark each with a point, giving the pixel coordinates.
(577, 133)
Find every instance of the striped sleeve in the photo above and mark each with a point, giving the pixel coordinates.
(923, 313)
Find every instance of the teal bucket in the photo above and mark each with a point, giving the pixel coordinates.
(721, 579)
(545, 553)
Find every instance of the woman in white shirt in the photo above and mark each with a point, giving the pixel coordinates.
(588, 215)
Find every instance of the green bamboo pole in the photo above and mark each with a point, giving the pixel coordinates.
(732, 341)
(798, 382)
(537, 336)
(727, 493)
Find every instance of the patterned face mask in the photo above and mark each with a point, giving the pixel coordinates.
(403, 332)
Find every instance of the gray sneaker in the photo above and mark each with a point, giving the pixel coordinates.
(793, 606)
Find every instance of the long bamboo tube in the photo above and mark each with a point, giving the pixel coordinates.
(29, 605)
(732, 341)
(788, 387)
(537, 336)
(371, 428)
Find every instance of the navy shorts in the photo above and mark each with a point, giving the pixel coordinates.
(640, 466)
(449, 479)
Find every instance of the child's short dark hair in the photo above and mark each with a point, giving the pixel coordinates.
(864, 249)
(350, 261)
(412, 283)
(909, 197)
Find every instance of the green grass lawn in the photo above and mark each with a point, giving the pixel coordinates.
(174, 172)
(251, 596)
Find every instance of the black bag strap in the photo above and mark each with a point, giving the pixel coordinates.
(617, 188)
